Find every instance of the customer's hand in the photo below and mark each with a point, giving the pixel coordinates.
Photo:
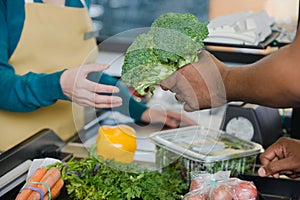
(166, 117)
(79, 89)
(199, 85)
(283, 157)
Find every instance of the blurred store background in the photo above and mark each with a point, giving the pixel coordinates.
(115, 16)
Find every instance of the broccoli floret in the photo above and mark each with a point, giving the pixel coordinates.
(172, 42)
(187, 24)
(178, 37)
(141, 67)
(174, 53)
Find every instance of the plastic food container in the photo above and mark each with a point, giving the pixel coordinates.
(202, 149)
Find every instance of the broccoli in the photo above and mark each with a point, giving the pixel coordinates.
(172, 42)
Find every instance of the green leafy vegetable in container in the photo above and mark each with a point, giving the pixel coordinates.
(172, 42)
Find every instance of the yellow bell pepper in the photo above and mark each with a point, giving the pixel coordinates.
(116, 142)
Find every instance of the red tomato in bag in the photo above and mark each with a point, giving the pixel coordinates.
(245, 190)
(194, 185)
(195, 197)
(223, 192)
(197, 185)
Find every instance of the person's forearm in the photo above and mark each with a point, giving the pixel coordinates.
(29, 92)
(272, 81)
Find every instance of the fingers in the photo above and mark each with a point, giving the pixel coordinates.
(263, 172)
(180, 118)
(188, 121)
(295, 175)
(281, 158)
(95, 67)
(168, 118)
(100, 88)
(88, 94)
(179, 98)
(277, 167)
(102, 101)
(273, 152)
(164, 87)
(169, 82)
(171, 123)
(271, 155)
(188, 108)
(173, 119)
(98, 101)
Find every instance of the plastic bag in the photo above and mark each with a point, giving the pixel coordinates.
(220, 186)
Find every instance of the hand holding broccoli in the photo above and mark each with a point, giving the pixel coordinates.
(172, 42)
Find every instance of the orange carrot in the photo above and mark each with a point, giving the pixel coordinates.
(35, 177)
(55, 190)
(50, 178)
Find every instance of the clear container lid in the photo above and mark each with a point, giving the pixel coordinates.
(204, 145)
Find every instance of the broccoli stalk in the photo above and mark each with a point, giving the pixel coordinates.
(172, 42)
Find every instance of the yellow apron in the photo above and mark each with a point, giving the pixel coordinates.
(52, 39)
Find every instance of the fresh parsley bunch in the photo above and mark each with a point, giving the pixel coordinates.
(94, 179)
